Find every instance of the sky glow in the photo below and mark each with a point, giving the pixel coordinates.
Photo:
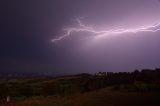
(79, 36)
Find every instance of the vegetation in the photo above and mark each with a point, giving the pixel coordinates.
(87, 90)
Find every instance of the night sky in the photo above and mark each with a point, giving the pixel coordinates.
(28, 28)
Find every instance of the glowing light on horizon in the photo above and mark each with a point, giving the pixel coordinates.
(102, 33)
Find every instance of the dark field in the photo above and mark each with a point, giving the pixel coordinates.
(103, 97)
(111, 89)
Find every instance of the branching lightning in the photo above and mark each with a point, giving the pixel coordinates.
(96, 34)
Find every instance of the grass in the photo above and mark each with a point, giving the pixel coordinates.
(103, 97)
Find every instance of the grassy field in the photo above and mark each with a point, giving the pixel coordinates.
(114, 89)
(103, 97)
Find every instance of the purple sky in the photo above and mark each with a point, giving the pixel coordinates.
(28, 26)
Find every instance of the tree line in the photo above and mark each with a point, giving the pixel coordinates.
(146, 80)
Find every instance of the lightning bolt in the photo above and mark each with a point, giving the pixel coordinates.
(102, 33)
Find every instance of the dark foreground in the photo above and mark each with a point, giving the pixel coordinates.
(139, 88)
(103, 97)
